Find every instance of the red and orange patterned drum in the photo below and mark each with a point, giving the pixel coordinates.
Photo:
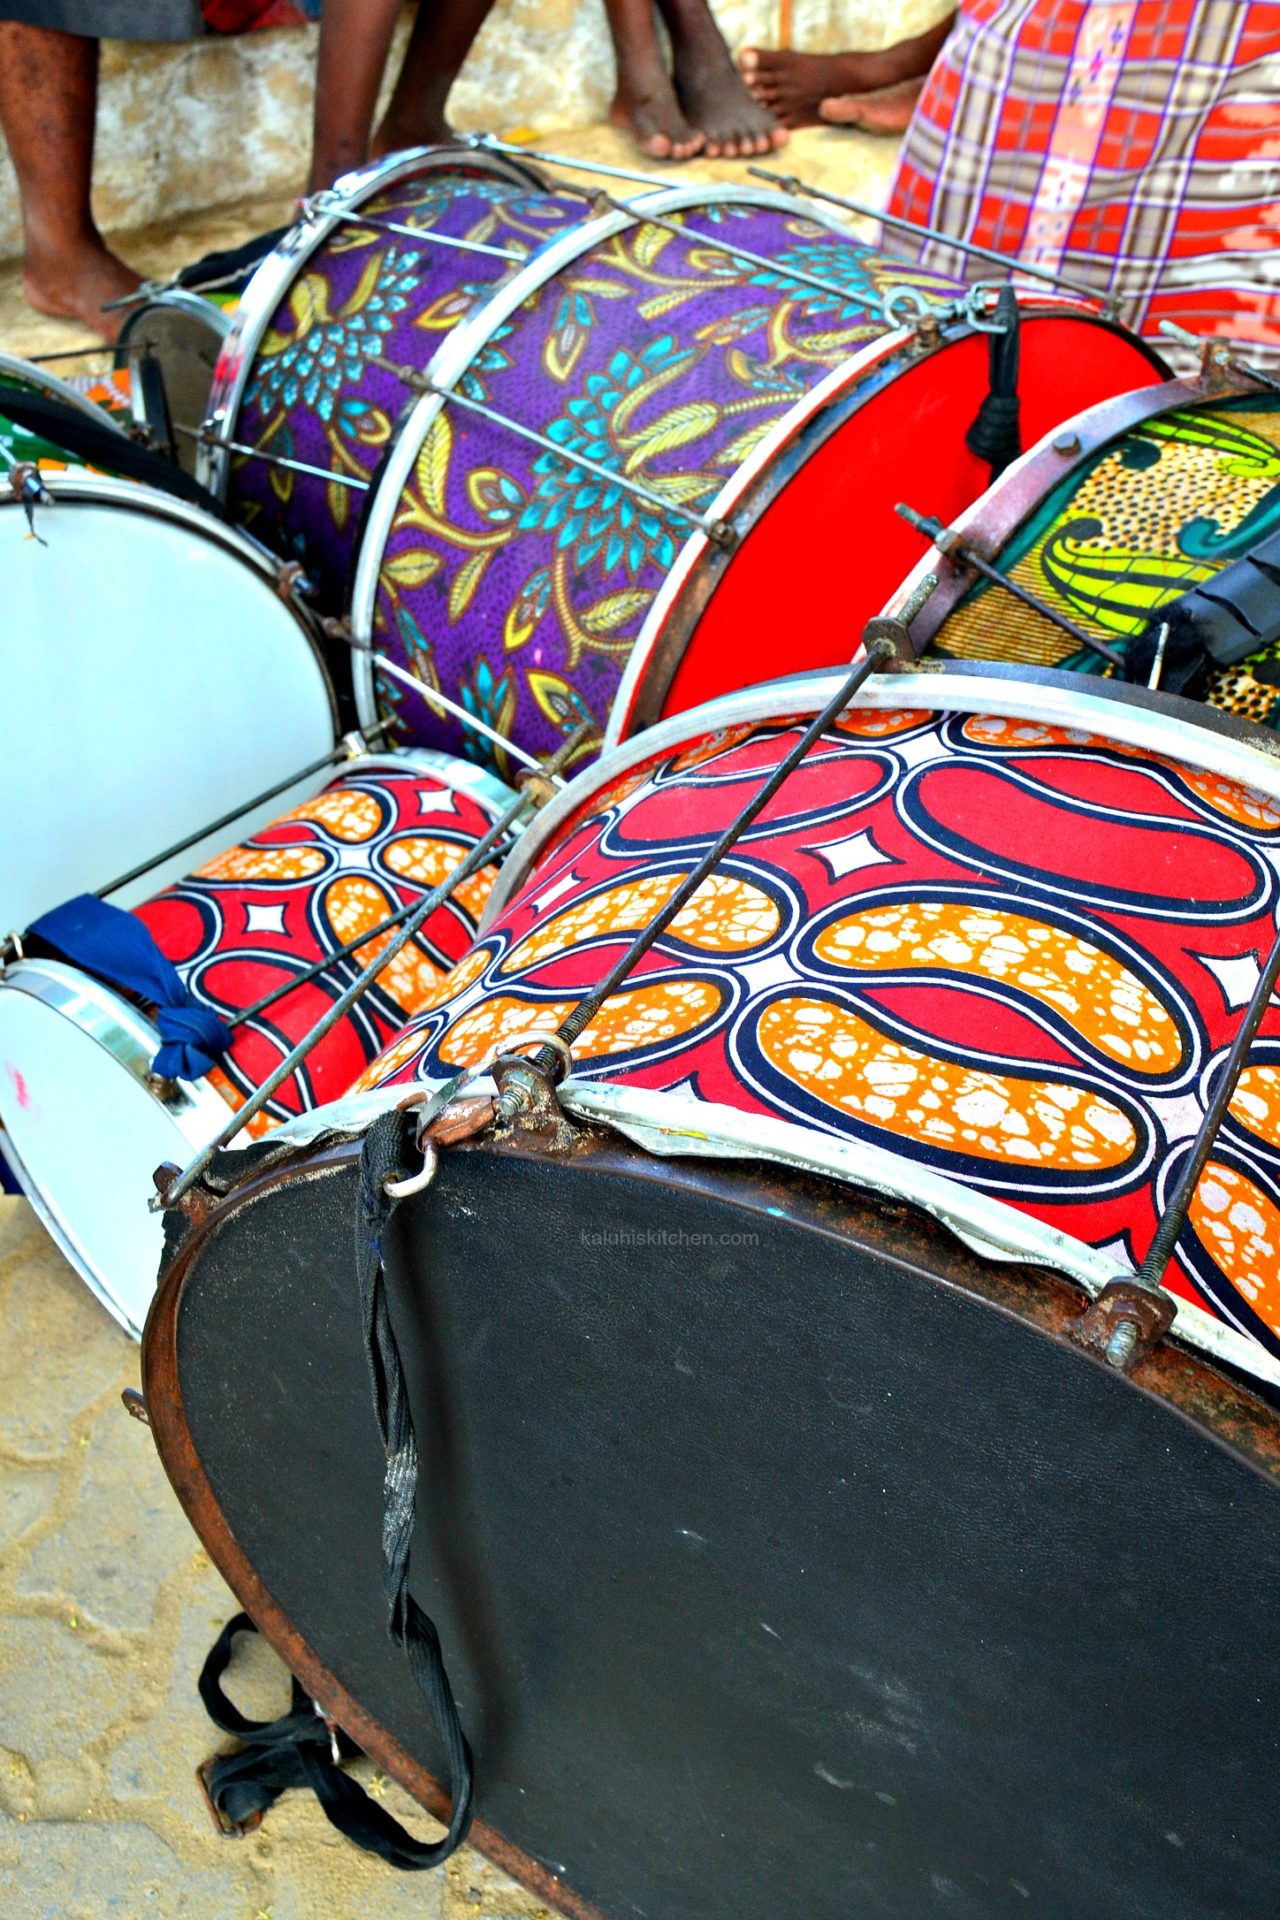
(996, 932)
(244, 932)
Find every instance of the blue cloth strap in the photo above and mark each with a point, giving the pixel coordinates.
(121, 949)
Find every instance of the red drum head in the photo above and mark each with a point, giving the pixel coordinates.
(828, 549)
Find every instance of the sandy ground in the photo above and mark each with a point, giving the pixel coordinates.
(107, 1603)
(850, 163)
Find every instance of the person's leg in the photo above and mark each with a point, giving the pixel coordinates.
(48, 95)
(645, 103)
(440, 42)
(710, 89)
(355, 37)
(794, 86)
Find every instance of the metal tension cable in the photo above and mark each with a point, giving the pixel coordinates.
(607, 204)
(525, 1080)
(947, 540)
(717, 530)
(791, 184)
(1134, 1310)
(429, 904)
(208, 438)
(339, 630)
(574, 743)
(314, 208)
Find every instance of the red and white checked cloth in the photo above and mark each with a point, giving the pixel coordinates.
(1132, 145)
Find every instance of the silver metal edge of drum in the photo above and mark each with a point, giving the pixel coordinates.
(274, 276)
(457, 351)
(463, 776)
(1153, 725)
(179, 300)
(671, 1124)
(43, 381)
(105, 1017)
(996, 515)
(846, 375)
(835, 382)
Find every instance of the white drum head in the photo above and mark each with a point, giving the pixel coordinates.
(83, 1132)
(152, 680)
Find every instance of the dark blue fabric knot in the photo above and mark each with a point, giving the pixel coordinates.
(121, 949)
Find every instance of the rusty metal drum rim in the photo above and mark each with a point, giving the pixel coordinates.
(667, 1124)
(993, 519)
(274, 276)
(459, 349)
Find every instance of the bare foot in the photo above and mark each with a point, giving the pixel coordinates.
(716, 100)
(645, 106)
(74, 282)
(887, 110)
(793, 85)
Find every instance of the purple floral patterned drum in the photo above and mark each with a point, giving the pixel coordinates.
(379, 269)
(660, 463)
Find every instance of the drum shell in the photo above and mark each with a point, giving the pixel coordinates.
(1107, 521)
(809, 1508)
(184, 334)
(789, 414)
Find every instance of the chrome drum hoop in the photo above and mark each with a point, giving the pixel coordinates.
(274, 276)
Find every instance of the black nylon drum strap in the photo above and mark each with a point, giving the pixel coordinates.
(300, 1749)
(383, 1159)
(296, 1750)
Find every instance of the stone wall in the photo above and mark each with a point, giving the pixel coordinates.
(192, 127)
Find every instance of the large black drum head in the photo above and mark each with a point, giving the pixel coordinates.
(788, 1560)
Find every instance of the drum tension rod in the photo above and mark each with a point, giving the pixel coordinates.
(1216, 361)
(350, 748)
(718, 530)
(471, 863)
(776, 268)
(208, 438)
(1132, 1312)
(30, 492)
(789, 183)
(339, 630)
(315, 209)
(958, 550)
(526, 1082)
(541, 789)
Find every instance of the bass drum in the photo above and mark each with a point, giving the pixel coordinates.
(765, 1484)
(1000, 928)
(245, 932)
(378, 270)
(161, 679)
(1106, 523)
(661, 470)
